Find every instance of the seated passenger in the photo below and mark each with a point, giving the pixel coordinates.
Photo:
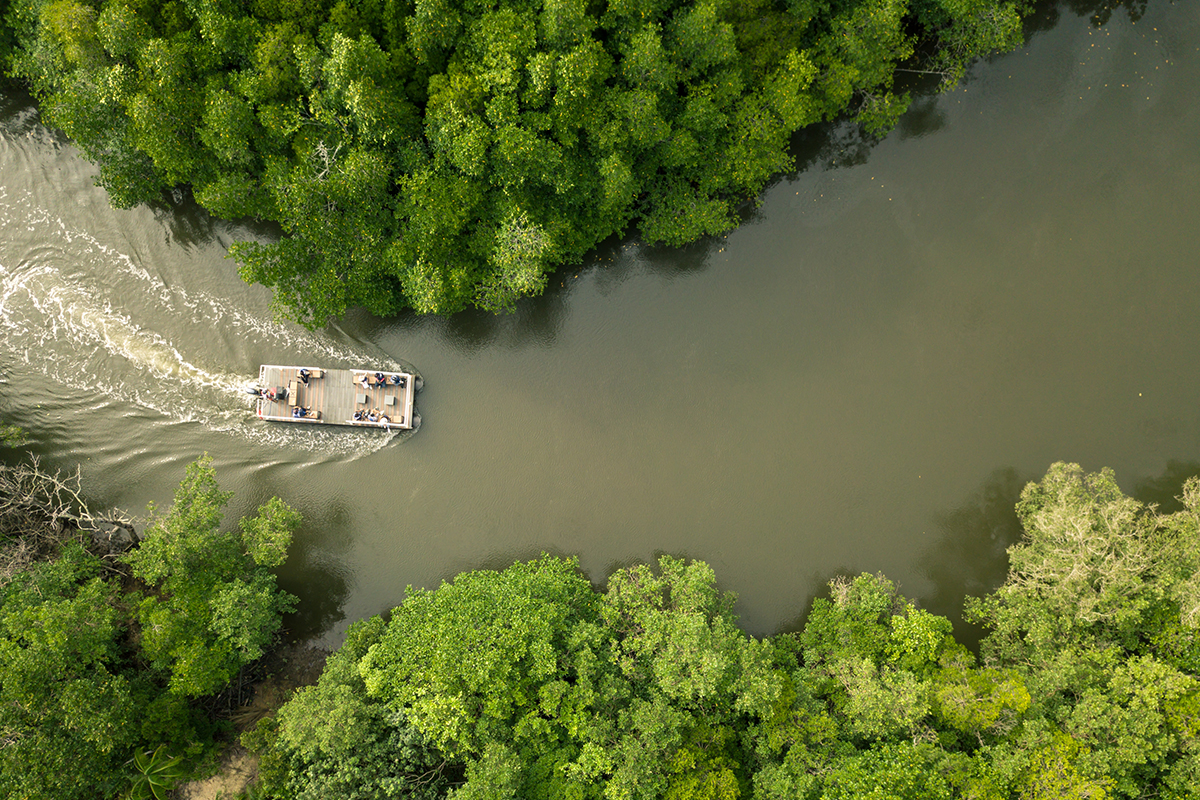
(304, 373)
(358, 416)
(397, 380)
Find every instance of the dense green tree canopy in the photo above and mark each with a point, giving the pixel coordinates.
(215, 605)
(66, 708)
(99, 663)
(439, 154)
(528, 683)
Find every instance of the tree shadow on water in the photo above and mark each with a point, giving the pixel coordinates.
(819, 584)
(1101, 11)
(1164, 489)
(188, 224)
(1048, 13)
(923, 117)
(678, 262)
(532, 321)
(970, 557)
(313, 571)
(321, 587)
(19, 114)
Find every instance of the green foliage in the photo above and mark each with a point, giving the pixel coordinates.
(438, 154)
(1052, 773)
(1095, 567)
(528, 683)
(215, 606)
(1092, 618)
(705, 767)
(468, 661)
(66, 706)
(11, 435)
(81, 714)
(332, 740)
(157, 773)
(891, 772)
(975, 701)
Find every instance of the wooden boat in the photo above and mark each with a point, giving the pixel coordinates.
(354, 397)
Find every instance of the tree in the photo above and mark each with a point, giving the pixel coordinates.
(215, 605)
(67, 712)
(81, 715)
(1052, 774)
(468, 661)
(1093, 616)
(332, 740)
(437, 155)
(1094, 565)
(892, 772)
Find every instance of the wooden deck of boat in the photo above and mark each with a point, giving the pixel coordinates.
(335, 396)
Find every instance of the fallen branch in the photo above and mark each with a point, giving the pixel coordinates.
(40, 511)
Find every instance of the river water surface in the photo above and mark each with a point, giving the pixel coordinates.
(858, 378)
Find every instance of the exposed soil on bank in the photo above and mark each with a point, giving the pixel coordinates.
(288, 669)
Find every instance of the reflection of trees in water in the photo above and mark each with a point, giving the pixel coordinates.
(1134, 9)
(321, 587)
(1101, 11)
(1047, 13)
(970, 557)
(820, 581)
(313, 574)
(1164, 489)
(532, 321)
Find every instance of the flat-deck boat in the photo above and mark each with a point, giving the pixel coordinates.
(365, 398)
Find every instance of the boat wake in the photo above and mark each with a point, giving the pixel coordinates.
(70, 311)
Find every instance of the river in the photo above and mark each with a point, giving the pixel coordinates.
(859, 378)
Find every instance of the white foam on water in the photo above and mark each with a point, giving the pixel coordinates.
(64, 314)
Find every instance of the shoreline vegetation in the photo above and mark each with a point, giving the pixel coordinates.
(437, 155)
(126, 663)
(122, 657)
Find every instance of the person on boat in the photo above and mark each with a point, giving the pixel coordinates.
(384, 422)
(365, 382)
(373, 415)
(379, 379)
(304, 374)
(269, 394)
(358, 416)
(397, 380)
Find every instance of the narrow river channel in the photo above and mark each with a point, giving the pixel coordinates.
(858, 378)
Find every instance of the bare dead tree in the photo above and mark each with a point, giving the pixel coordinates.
(40, 511)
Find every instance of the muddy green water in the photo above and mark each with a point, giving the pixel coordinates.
(858, 378)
